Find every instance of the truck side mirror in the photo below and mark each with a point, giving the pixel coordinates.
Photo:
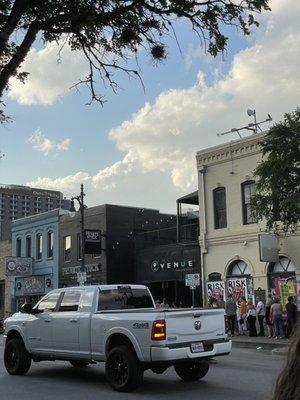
(26, 308)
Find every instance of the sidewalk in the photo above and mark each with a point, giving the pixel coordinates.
(259, 341)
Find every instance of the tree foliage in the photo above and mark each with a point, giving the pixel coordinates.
(277, 198)
(106, 31)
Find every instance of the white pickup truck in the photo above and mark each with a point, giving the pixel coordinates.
(118, 325)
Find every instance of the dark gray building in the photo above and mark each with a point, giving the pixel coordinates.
(22, 201)
(120, 226)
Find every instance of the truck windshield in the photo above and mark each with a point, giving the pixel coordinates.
(120, 299)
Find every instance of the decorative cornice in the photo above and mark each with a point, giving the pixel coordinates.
(229, 151)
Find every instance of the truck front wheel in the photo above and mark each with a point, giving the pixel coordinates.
(191, 370)
(123, 370)
(17, 361)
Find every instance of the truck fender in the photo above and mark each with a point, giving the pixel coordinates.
(129, 335)
(16, 328)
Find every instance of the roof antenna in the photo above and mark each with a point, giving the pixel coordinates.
(253, 126)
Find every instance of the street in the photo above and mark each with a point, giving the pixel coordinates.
(247, 374)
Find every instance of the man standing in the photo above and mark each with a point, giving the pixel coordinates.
(260, 311)
(291, 310)
(230, 310)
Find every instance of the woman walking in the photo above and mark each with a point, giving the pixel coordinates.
(269, 321)
(251, 317)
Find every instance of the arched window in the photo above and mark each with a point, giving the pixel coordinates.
(219, 197)
(284, 265)
(238, 268)
(28, 246)
(248, 190)
(39, 246)
(50, 244)
(214, 277)
(18, 247)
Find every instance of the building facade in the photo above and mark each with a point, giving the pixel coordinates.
(22, 201)
(229, 232)
(36, 237)
(5, 297)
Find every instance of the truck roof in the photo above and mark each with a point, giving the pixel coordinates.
(103, 287)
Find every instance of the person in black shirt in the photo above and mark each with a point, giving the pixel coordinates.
(291, 310)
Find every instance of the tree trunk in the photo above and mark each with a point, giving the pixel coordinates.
(12, 66)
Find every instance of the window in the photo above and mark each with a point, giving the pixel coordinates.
(238, 268)
(248, 190)
(67, 248)
(18, 247)
(49, 303)
(70, 301)
(124, 298)
(219, 197)
(78, 246)
(28, 246)
(39, 246)
(50, 244)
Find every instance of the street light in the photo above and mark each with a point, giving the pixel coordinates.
(80, 200)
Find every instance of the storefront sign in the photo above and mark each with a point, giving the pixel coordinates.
(284, 288)
(237, 287)
(74, 270)
(175, 265)
(34, 285)
(215, 290)
(18, 266)
(92, 243)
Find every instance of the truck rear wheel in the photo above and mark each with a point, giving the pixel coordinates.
(123, 370)
(191, 370)
(17, 361)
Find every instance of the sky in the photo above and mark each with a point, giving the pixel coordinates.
(139, 148)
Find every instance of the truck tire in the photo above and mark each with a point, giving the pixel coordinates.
(17, 360)
(123, 370)
(79, 364)
(191, 370)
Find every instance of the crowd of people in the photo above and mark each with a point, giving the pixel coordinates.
(245, 317)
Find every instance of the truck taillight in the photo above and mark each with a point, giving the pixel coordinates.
(159, 330)
(226, 324)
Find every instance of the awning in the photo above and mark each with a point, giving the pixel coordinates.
(191, 198)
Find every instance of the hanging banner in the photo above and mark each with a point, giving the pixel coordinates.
(237, 287)
(216, 290)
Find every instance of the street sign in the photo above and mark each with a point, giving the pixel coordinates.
(92, 243)
(192, 280)
(81, 277)
(18, 266)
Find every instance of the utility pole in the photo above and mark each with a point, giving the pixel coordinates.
(80, 200)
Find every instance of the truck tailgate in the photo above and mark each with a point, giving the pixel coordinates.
(194, 325)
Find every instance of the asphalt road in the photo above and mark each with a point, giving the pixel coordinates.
(246, 374)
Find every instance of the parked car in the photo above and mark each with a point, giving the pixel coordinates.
(118, 325)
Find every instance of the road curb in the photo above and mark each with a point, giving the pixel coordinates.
(257, 345)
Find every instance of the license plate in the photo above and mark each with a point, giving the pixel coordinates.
(197, 347)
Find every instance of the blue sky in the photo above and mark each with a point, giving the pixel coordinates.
(138, 140)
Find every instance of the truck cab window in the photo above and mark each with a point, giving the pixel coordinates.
(120, 299)
(49, 303)
(70, 301)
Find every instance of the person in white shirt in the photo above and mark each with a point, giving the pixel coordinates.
(260, 312)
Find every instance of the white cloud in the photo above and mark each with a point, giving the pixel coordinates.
(50, 76)
(160, 140)
(41, 143)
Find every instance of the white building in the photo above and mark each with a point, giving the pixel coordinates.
(228, 232)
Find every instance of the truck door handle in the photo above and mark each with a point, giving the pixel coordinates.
(47, 320)
(73, 320)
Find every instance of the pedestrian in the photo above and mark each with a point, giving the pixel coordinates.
(164, 303)
(230, 310)
(268, 316)
(276, 313)
(251, 318)
(157, 303)
(288, 383)
(173, 305)
(243, 316)
(260, 312)
(291, 310)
